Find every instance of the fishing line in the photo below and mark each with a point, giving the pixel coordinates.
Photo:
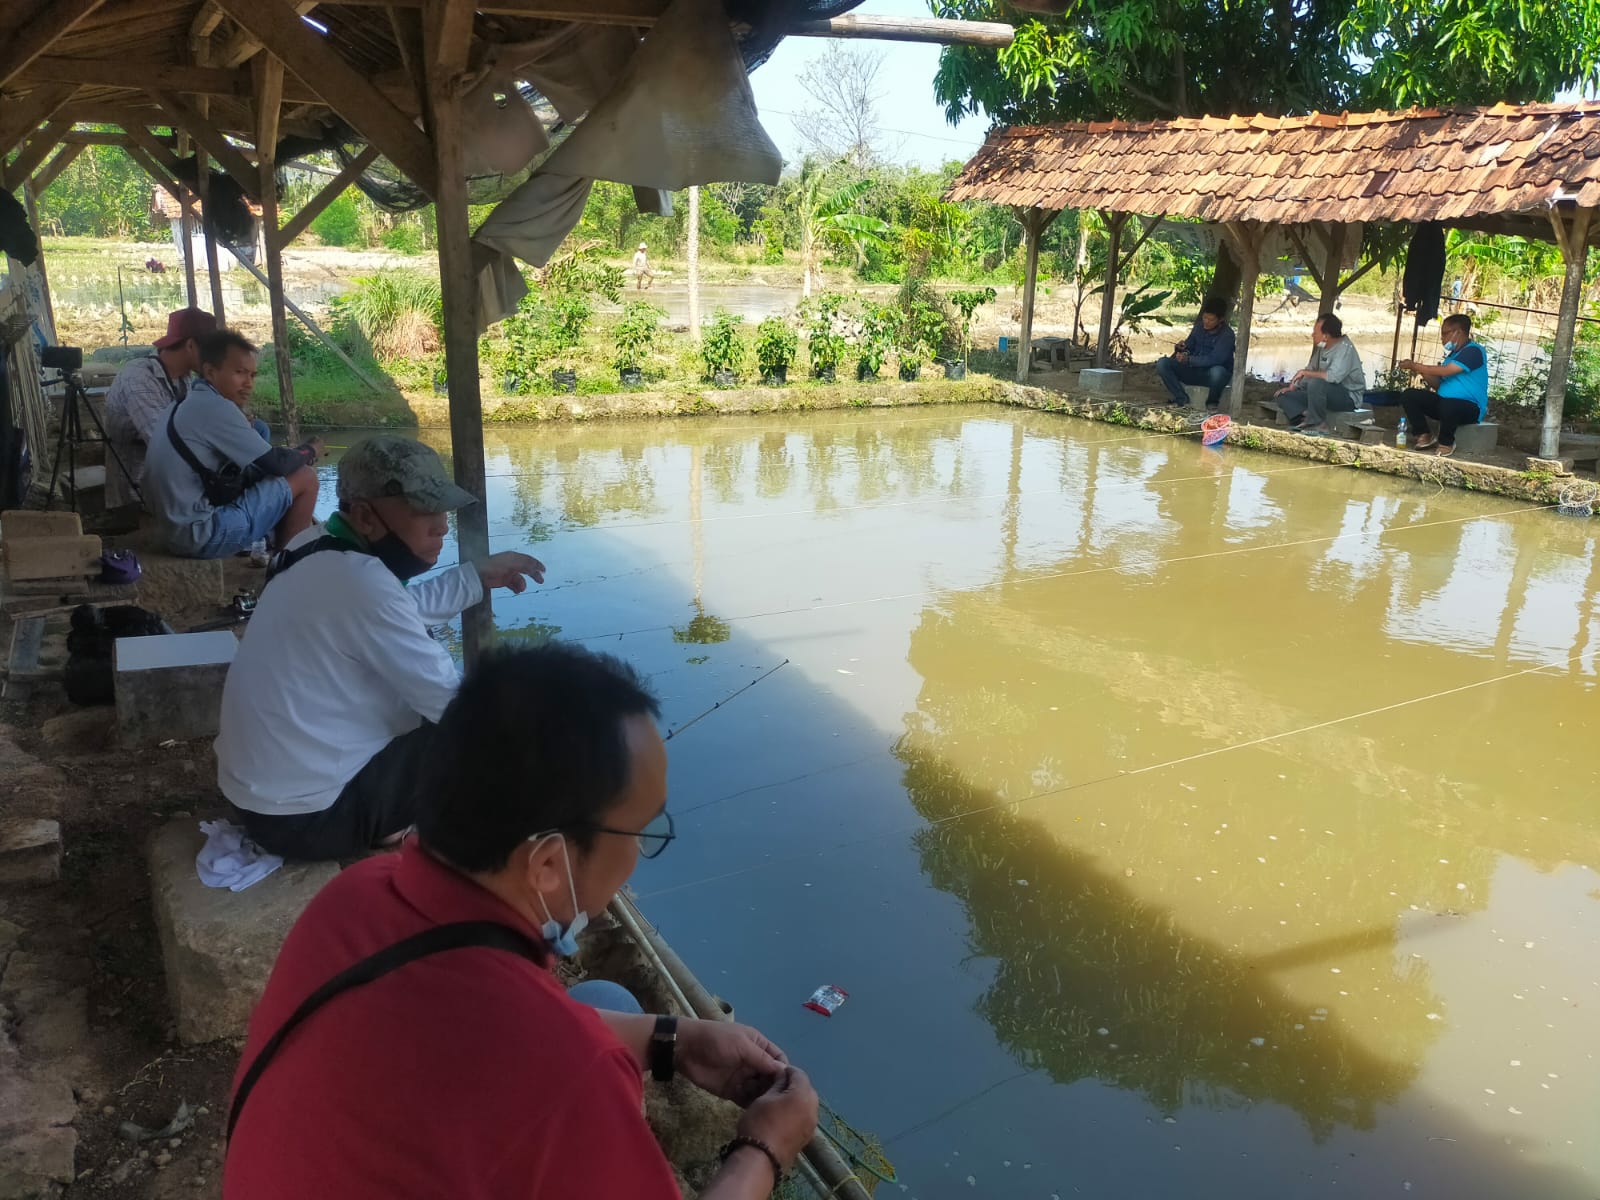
(981, 810)
(725, 700)
(1159, 562)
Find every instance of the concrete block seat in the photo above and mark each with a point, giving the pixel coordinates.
(1274, 410)
(1346, 424)
(1582, 448)
(1100, 381)
(1199, 395)
(1471, 439)
(170, 685)
(217, 946)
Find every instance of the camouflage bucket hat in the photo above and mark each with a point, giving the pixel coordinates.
(390, 465)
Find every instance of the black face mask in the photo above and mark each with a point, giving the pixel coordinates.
(393, 553)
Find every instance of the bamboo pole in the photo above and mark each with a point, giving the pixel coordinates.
(269, 92)
(445, 62)
(1034, 223)
(1108, 298)
(203, 184)
(694, 265)
(1572, 235)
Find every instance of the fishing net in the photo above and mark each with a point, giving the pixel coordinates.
(1578, 499)
(863, 1153)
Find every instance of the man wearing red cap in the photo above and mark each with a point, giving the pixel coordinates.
(143, 391)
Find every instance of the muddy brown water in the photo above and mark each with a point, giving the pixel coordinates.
(1181, 823)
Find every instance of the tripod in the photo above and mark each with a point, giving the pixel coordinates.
(72, 436)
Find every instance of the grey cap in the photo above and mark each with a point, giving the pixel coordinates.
(390, 465)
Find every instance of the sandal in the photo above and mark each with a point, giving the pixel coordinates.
(1425, 442)
(1445, 451)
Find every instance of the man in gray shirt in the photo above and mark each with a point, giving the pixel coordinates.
(144, 389)
(213, 482)
(1333, 383)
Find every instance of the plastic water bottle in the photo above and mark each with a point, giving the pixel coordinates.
(258, 553)
(1400, 435)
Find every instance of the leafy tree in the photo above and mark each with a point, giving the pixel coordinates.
(340, 223)
(102, 193)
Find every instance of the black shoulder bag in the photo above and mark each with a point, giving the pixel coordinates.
(220, 488)
(455, 936)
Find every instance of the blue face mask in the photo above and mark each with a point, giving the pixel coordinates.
(563, 942)
(1449, 347)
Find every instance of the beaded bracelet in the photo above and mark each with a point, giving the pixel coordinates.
(756, 1144)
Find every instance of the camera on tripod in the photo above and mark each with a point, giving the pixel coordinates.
(66, 359)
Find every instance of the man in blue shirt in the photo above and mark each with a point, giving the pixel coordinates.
(1462, 388)
(1204, 357)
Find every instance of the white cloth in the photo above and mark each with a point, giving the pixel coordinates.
(229, 859)
(337, 662)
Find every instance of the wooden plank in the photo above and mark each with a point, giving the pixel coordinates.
(452, 39)
(54, 167)
(154, 147)
(20, 116)
(208, 135)
(97, 137)
(19, 523)
(35, 152)
(52, 557)
(267, 72)
(27, 639)
(314, 207)
(205, 22)
(34, 38)
(458, 285)
(202, 175)
(347, 92)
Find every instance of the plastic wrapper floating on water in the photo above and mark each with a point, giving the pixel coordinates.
(827, 999)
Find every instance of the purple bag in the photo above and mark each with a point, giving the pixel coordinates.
(119, 566)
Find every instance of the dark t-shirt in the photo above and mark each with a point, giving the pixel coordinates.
(469, 1074)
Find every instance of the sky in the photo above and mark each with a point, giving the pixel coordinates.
(914, 128)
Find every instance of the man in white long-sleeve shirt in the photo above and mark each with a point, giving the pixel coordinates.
(333, 694)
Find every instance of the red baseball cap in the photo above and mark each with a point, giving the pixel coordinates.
(184, 324)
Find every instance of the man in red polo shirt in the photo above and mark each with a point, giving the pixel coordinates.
(456, 1065)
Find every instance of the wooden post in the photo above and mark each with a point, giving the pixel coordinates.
(30, 204)
(202, 58)
(1033, 225)
(1247, 238)
(445, 58)
(1333, 265)
(268, 72)
(1108, 298)
(186, 228)
(694, 265)
(1572, 235)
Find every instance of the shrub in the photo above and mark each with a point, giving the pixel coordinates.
(776, 344)
(721, 346)
(404, 239)
(340, 223)
(635, 335)
(400, 312)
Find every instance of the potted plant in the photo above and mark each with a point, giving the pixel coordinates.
(877, 339)
(776, 345)
(569, 312)
(966, 303)
(1390, 384)
(635, 337)
(722, 349)
(922, 332)
(825, 345)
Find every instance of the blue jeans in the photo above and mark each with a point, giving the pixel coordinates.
(263, 429)
(249, 518)
(1175, 374)
(603, 994)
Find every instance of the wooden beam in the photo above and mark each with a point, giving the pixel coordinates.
(131, 73)
(54, 167)
(35, 152)
(177, 191)
(1572, 236)
(205, 22)
(269, 93)
(335, 188)
(268, 74)
(347, 92)
(452, 38)
(208, 135)
(157, 150)
(1108, 298)
(20, 116)
(910, 29)
(93, 137)
(1034, 222)
(202, 177)
(34, 38)
(1247, 241)
(458, 285)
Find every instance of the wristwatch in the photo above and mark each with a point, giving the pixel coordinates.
(663, 1050)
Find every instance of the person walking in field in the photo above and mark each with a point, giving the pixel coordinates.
(643, 276)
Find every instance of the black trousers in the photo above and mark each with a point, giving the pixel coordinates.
(1420, 404)
(379, 802)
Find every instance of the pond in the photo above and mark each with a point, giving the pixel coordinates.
(1180, 822)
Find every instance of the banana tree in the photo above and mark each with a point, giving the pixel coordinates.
(827, 215)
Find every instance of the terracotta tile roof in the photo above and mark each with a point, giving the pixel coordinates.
(1425, 164)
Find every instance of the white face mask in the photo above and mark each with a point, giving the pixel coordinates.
(563, 941)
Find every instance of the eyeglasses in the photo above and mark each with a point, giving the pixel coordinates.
(653, 838)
